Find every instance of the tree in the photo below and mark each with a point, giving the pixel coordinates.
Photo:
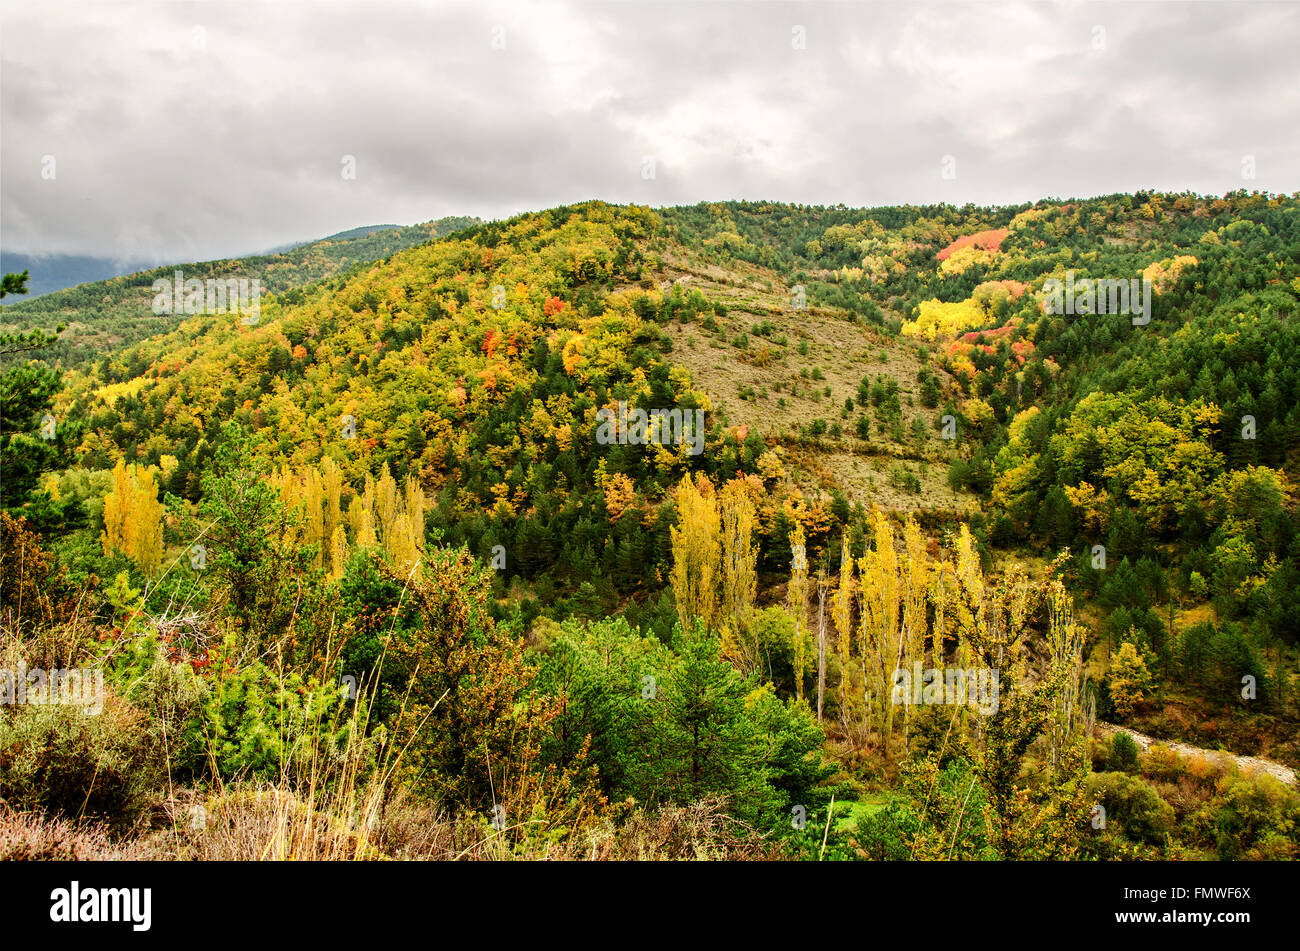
(842, 618)
(1129, 680)
(798, 597)
(250, 539)
(133, 517)
(697, 554)
(739, 574)
(32, 441)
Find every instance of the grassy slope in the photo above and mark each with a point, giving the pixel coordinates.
(844, 351)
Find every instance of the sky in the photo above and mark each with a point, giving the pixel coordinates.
(174, 131)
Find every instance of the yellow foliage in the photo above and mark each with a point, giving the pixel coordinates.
(938, 319)
(133, 517)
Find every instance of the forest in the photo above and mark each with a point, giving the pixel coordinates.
(948, 574)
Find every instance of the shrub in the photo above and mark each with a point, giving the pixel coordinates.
(259, 723)
(1134, 805)
(1160, 762)
(1259, 816)
(60, 759)
(30, 837)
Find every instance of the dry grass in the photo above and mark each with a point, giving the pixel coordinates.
(270, 824)
(27, 836)
(842, 352)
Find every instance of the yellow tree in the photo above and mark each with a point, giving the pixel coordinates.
(914, 591)
(385, 507)
(117, 512)
(133, 517)
(338, 552)
(332, 489)
(739, 573)
(361, 517)
(880, 640)
(148, 514)
(697, 553)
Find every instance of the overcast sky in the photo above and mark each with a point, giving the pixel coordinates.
(176, 131)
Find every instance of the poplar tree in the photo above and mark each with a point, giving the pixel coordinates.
(697, 553)
(133, 517)
(842, 617)
(798, 596)
(739, 573)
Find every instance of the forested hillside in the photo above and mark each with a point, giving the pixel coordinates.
(112, 314)
(617, 532)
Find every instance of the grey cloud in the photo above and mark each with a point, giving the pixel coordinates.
(174, 151)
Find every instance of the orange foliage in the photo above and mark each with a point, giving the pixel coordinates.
(983, 240)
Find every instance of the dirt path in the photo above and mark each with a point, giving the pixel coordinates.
(1254, 764)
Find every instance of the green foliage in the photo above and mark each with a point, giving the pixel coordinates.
(676, 726)
(264, 724)
(59, 758)
(1133, 806)
(1123, 753)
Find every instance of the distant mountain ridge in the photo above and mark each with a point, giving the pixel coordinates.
(361, 232)
(55, 272)
(117, 311)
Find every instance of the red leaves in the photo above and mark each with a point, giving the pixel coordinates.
(983, 240)
(553, 306)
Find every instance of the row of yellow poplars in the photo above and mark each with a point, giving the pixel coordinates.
(379, 516)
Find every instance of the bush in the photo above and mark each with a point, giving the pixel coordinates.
(257, 723)
(1133, 805)
(27, 837)
(1160, 762)
(60, 759)
(1258, 817)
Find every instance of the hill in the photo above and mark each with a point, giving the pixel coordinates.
(1057, 442)
(113, 313)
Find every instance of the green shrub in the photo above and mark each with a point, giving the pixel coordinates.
(1259, 816)
(258, 723)
(60, 759)
(1133, 805)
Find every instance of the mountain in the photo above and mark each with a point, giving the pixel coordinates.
(54, 272)
(742, 507)
(842, 346)
(361, 232)
(119, 311)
